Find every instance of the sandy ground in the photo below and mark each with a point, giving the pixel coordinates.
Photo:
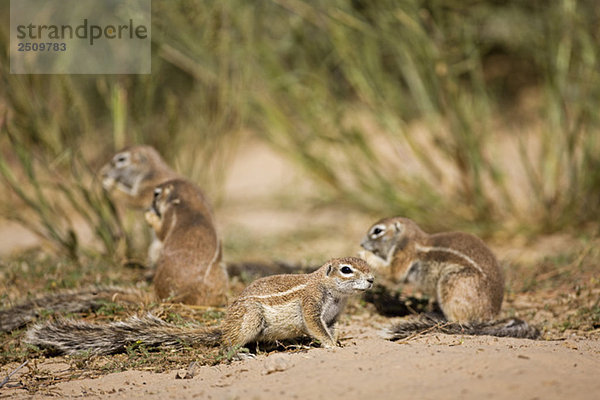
(434, 366)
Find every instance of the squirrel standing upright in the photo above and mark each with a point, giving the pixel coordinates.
(186, 249)
(189, 268)
(130, 178)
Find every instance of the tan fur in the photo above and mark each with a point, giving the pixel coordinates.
(287, 306)
(189, 268)
(272, 308)
(455, 268)
(185, 250)
(130, 178)
(133, 173)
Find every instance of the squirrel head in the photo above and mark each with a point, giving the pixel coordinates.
(126, 168)
(389, 241)
(390, 235)
(348, 275)
(132, 173)
(166, 199)
(181, 197)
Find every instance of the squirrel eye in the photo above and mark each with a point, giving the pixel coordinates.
(346, 270)
(121, 159)
(157, 192)
(377, 231)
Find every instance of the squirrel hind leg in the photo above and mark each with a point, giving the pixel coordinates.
(242, 325)
(462, 299)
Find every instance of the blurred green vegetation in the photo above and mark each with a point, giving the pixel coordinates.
(472, 115)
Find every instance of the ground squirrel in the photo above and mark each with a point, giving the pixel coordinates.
(130, 178)
(273, 308)
(133, 173)
(185, 249)
(189, 268)
(457, 269)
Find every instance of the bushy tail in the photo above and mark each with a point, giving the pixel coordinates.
(425, 323)
(66, 301)
(69, 337)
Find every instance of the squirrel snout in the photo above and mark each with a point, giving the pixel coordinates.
(107, 181)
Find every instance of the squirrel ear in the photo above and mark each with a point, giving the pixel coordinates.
(398, 226)
(329, 269)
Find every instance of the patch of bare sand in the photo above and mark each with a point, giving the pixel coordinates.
(15, 238)
(431, 367)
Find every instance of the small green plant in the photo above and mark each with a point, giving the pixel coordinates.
(109, 308)
(229, 353)
(176, 319)
(135, 349)
(81, 359)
